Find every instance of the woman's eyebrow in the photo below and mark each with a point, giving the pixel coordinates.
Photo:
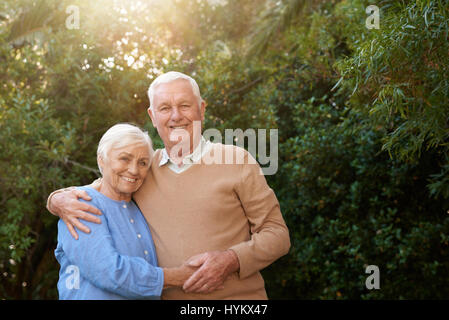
(131, 155)
(125, 153)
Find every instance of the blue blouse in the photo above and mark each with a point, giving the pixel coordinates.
(116, 260)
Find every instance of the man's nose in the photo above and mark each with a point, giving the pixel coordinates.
(176, 115)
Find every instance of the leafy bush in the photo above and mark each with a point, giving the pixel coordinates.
(348, 203)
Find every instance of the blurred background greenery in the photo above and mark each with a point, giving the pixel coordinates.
(362, 115)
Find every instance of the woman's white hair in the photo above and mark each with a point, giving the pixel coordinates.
(169, 77)
(122, 135)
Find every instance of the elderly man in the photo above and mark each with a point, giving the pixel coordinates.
(224, 217)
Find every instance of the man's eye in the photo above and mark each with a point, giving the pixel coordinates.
(185, 106)
(124, 159)
(143, 163)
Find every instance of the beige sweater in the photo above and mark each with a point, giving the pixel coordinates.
(215, 207)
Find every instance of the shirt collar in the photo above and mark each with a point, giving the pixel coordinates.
(192, 158)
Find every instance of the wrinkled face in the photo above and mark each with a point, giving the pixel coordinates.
(125, 169)
(175, 107)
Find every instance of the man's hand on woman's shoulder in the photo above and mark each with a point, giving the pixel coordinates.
(70, 209)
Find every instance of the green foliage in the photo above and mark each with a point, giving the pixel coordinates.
(351, 204)
(399, 74)
(353, 207)
(33, 148)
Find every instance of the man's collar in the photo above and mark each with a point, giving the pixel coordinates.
(192, 158)
(164, 159)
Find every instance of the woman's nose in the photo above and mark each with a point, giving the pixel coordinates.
(133, 168)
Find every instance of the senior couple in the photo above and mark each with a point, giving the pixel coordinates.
(164, 223)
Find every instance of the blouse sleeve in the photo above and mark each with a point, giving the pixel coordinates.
(101, 264)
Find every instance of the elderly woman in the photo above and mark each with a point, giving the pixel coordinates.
(117, 260)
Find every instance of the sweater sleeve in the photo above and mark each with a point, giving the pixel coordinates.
(269, 234)
(101, 264)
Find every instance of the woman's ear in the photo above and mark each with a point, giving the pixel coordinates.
(100, 162)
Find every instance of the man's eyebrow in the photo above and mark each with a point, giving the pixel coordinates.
(162, 104)
(184, 101)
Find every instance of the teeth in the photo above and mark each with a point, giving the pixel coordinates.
(182, 127)
(129, 179)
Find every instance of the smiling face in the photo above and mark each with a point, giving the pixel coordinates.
(124, 171)
(175, 108)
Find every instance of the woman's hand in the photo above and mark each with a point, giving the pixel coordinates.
(175, 277)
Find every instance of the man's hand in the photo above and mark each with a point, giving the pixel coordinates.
(216, 266)
(67, 206)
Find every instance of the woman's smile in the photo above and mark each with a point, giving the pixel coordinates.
(131, 180)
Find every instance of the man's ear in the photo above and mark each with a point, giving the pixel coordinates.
(150, 113)
(203, 109)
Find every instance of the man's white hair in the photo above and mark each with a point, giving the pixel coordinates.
(119, 136)
(169, 77)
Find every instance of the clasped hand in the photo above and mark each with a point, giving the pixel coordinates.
(214, 268)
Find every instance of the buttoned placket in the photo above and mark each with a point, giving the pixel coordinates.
(139, 235)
